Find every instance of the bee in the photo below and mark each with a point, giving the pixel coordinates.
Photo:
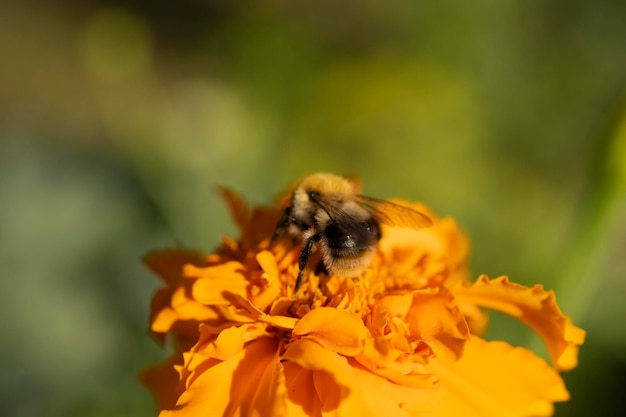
(327, 210)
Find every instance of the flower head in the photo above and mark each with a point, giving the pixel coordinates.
(401, 339)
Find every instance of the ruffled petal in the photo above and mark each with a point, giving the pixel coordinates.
(343, 388)
(494, 379)
(249, 383)
(435, 316)
(382, 357)
(336, 330)
(434, 255)
(431, 315)
(535, 307)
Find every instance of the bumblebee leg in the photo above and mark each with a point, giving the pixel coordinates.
(285, 221)
(281, 225)
(304, 257)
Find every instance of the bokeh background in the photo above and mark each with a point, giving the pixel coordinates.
(118, 118)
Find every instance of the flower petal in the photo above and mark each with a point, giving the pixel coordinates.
(301, 394)
(535, 307)
(255, 225)
(173, 309)
(431, 315)
(163, 380)
(237, 207)
(228, 342)
(436, 318)
(338, 330)
(344, 388)
(429, 256)
(282, 322)
(181, 316)
(494, 379)
(382, 358)
(169, 263)
(250, 383)
(215, 283)
(269, 289)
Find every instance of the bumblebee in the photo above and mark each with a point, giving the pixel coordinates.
(327, 210)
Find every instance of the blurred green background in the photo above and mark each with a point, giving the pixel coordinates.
(117, 119)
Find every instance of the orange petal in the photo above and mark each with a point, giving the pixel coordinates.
(346, 389)
(256, 225)
(338, 377)
(338, 330)
(169, 263)
(237, 207)
(182, 315)
(170, 307)
(494, 379)
(251, 383)
(382, 358)
(268, 264)
(431, 315)
(437, 319)
(231, 341)
(535, 307)
(215, 283)
(302, 400)
(163, 380)
(282, 322)
(270, 288)
(432, 255)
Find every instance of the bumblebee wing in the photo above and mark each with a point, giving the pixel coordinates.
(338, 215)
(393, 214)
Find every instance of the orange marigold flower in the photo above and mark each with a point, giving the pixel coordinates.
(401, 339)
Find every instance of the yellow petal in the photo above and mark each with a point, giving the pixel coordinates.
(251, 383)
(343, 388)
(535, 307)
(494, 379)
(338, 330)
